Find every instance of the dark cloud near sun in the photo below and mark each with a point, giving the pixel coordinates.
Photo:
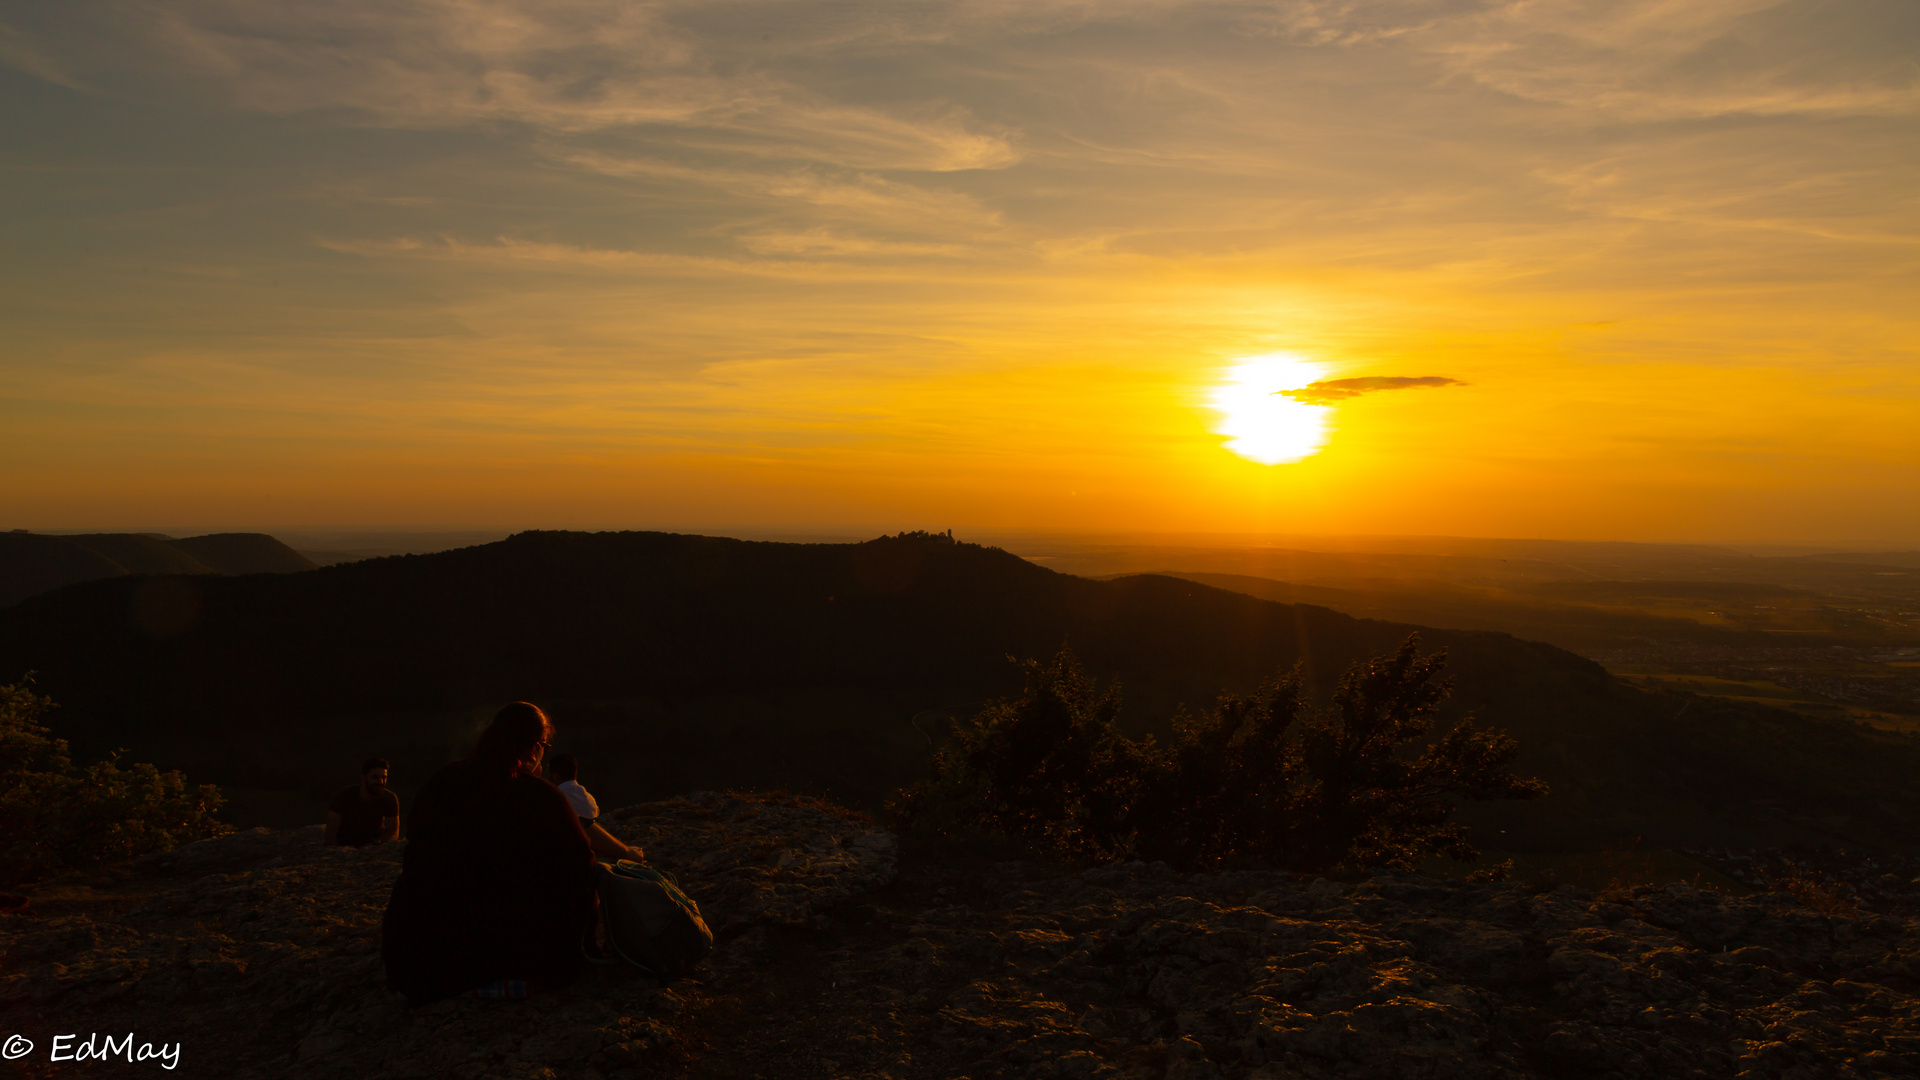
(1331, 391)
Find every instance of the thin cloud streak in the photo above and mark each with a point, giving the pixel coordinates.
(1333, 391)
(523, 255)
(876, 199)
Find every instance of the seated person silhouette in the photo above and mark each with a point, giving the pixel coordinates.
(496, 890)
(365, 813)
(564, 770)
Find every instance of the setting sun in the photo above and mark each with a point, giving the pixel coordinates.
(1260, 423)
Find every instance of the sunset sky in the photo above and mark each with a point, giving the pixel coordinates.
(1541, 269)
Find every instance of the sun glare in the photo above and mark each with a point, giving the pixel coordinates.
(1262, 425)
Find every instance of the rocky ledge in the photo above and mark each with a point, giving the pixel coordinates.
(258, 954)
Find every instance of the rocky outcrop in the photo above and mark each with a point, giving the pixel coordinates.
(759, 863)
(258, 953)
(1135, 970)
(1888, 884)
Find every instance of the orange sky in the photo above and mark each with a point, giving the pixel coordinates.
(498, 262)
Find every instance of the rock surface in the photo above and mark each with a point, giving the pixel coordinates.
(259, 953)
(1138, 971)
(1882, 883)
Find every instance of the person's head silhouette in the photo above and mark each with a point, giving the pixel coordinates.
(516, 740)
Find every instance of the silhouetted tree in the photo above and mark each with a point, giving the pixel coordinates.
(1248, 780)
(1363, 801)
(1049, 768)
(55, 816)
(1225, 788)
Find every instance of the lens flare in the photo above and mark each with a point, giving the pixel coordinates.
(1262, 425)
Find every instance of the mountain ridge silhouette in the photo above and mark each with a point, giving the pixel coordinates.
(35, 563)
(677, 662)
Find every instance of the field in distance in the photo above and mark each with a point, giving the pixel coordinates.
(1833, 635)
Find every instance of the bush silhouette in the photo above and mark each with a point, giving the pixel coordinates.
(1363, 801)
(55, 816)
(1257, 779)
(1227, 787)
(1050, 769)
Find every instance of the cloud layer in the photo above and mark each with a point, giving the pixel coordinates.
(855, 131)
(886, 242)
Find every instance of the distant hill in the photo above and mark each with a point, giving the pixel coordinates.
(328, 548)
(675, 663)
(1635, 593)
(31, 564)
(139, 553)
(1907, 559)
(34, 563)
(1567, 614)
(244, 553)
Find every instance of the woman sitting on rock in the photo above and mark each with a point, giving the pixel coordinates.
(496, 886)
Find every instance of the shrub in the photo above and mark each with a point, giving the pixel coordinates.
(1364, 801)
(1257, 779)
(1225, 790)
(1050, 769)
(55, 816)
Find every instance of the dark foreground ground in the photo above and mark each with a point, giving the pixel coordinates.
(257, 954)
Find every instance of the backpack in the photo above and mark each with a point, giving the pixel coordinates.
(651, 924)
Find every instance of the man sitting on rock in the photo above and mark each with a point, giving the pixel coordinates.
(366, 813)
(564, 769)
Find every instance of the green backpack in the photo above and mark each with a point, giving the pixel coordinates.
(651, 924)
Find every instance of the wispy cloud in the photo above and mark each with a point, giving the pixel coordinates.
(572, 66)
(524, 254)
(581, 65)
(19, 50)
(826, 242)
(1341, 22)
(901, 194)
(1332, 391)
(1653, 59)
(841, 192)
